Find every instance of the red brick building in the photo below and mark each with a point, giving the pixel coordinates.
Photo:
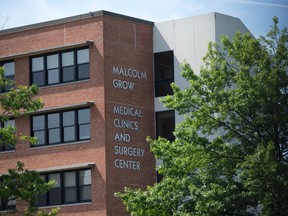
(95, 74)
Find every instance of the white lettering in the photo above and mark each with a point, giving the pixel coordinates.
(129, 151)
(127, 111)
(123, 84)
(130, 72)
(122, 123)
(121, 137)
(126, 164)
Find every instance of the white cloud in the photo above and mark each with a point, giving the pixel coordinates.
(262, 3)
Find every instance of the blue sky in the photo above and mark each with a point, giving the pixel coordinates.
(255, 14)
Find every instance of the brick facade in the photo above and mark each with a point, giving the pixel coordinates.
(118, 42)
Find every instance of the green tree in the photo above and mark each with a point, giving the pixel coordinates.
(20, 184)
(230, 153)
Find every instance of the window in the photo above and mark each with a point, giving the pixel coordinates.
(164, 73)
(6, 146)
(61, 127)
(9, 73)
(165, 123)
(70, 187)
(159, 177)
(9, 204)
(61, 67)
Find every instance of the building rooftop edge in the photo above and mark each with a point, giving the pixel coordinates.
(71, 19)
(214, 13)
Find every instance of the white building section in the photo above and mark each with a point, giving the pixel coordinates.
(186, 40)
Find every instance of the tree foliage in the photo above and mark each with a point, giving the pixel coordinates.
(19, 183)
(23, 185)
(230, 154)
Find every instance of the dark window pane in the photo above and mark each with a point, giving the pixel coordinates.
(68, 118)
(164, 63)
(9, 84)
(53, 120)
(70, 195)
(9, 147)
(84, 116)
(41, 200)
(53, 76)
(38, 78)
(55, 196)
(54, 135)
(9, 72)
(69, 134)
(83, 71)
(164, 73)
(165, 122)
(163, 89)
(38, 122)
(84, 131)
(40, 136)
(85, 193)
(159, 177)
(68, 74)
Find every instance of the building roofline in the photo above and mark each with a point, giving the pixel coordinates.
(71, 19)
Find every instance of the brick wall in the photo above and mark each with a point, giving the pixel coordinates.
(116, 42)
(128, 45)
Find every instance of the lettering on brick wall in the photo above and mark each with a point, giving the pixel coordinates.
(126, 125)
(127, 72)
(122, 137)
(127, 120)
(127, 111)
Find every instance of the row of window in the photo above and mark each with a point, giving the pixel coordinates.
(72, 65)
(56, 128)
(62, 67)
(55, 68)
(74, 125)
(74, 186)
(70, 187)
(61, 127)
